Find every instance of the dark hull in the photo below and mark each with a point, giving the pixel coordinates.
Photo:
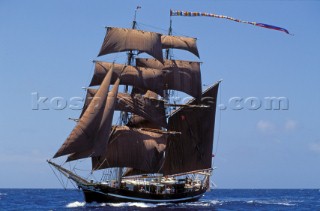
(114, 195)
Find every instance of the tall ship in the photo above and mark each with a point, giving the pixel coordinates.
(159, 150)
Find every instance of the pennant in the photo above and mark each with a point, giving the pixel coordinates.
(195, 14)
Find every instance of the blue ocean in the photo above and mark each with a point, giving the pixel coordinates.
(218, 199)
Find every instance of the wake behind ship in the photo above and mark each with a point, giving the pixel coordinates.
(160, 151)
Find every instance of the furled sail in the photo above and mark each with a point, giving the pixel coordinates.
(133, 172)
(139, 121)
(102, 136)
(185, 74)
(179, 42)
(133, 148)
(149, 108)
(83, 135)
(121, 39)
(192, 150)
(149, 78)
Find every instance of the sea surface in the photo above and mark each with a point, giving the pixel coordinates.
(218, 199)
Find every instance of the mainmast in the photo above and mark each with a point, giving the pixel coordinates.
(168, 54)
(166, 93)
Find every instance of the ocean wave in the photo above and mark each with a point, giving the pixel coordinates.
(200, 204)
(124, 204)
(266, 202)
(3, 194)
(76, 204)
(134, 204)
(205, 203)
(213, 202)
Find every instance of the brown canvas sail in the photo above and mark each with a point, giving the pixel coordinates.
(145, 78)
(155, 80)
(184, 74)
(100, 141)
(83, 135)
(140, 121)
(137, 121)
(103, 133)
(149, 108)
(121, 39)
(192, 150)
(133, 148)
(179, 42)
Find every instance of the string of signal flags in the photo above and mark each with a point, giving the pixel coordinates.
(196, 14)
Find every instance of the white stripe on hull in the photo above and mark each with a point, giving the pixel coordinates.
(154, 200)
(146, 200)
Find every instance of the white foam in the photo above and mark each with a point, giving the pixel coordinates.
(203, 203)
(198, 204)
(215, 202)
(133, 204)
(286, 203)
(76, 204)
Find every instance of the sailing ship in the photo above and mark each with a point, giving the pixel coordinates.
(160, 151)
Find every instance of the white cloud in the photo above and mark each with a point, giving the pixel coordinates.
(33, 156)
(315, 147)
(290, 125)
(265, 126)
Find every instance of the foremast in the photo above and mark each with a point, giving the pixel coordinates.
(124, 114)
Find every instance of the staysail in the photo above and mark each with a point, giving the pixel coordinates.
(100, 141)
(83, 135)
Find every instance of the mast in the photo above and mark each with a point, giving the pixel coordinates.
(166, 93)
(124, 114)
(168, 55)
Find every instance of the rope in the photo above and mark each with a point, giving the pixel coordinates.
(71, 180)
(59, 179)
(154, 27)
(219, 130)
(73, 184)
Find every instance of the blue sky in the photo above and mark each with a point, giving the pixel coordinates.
(47, 47)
